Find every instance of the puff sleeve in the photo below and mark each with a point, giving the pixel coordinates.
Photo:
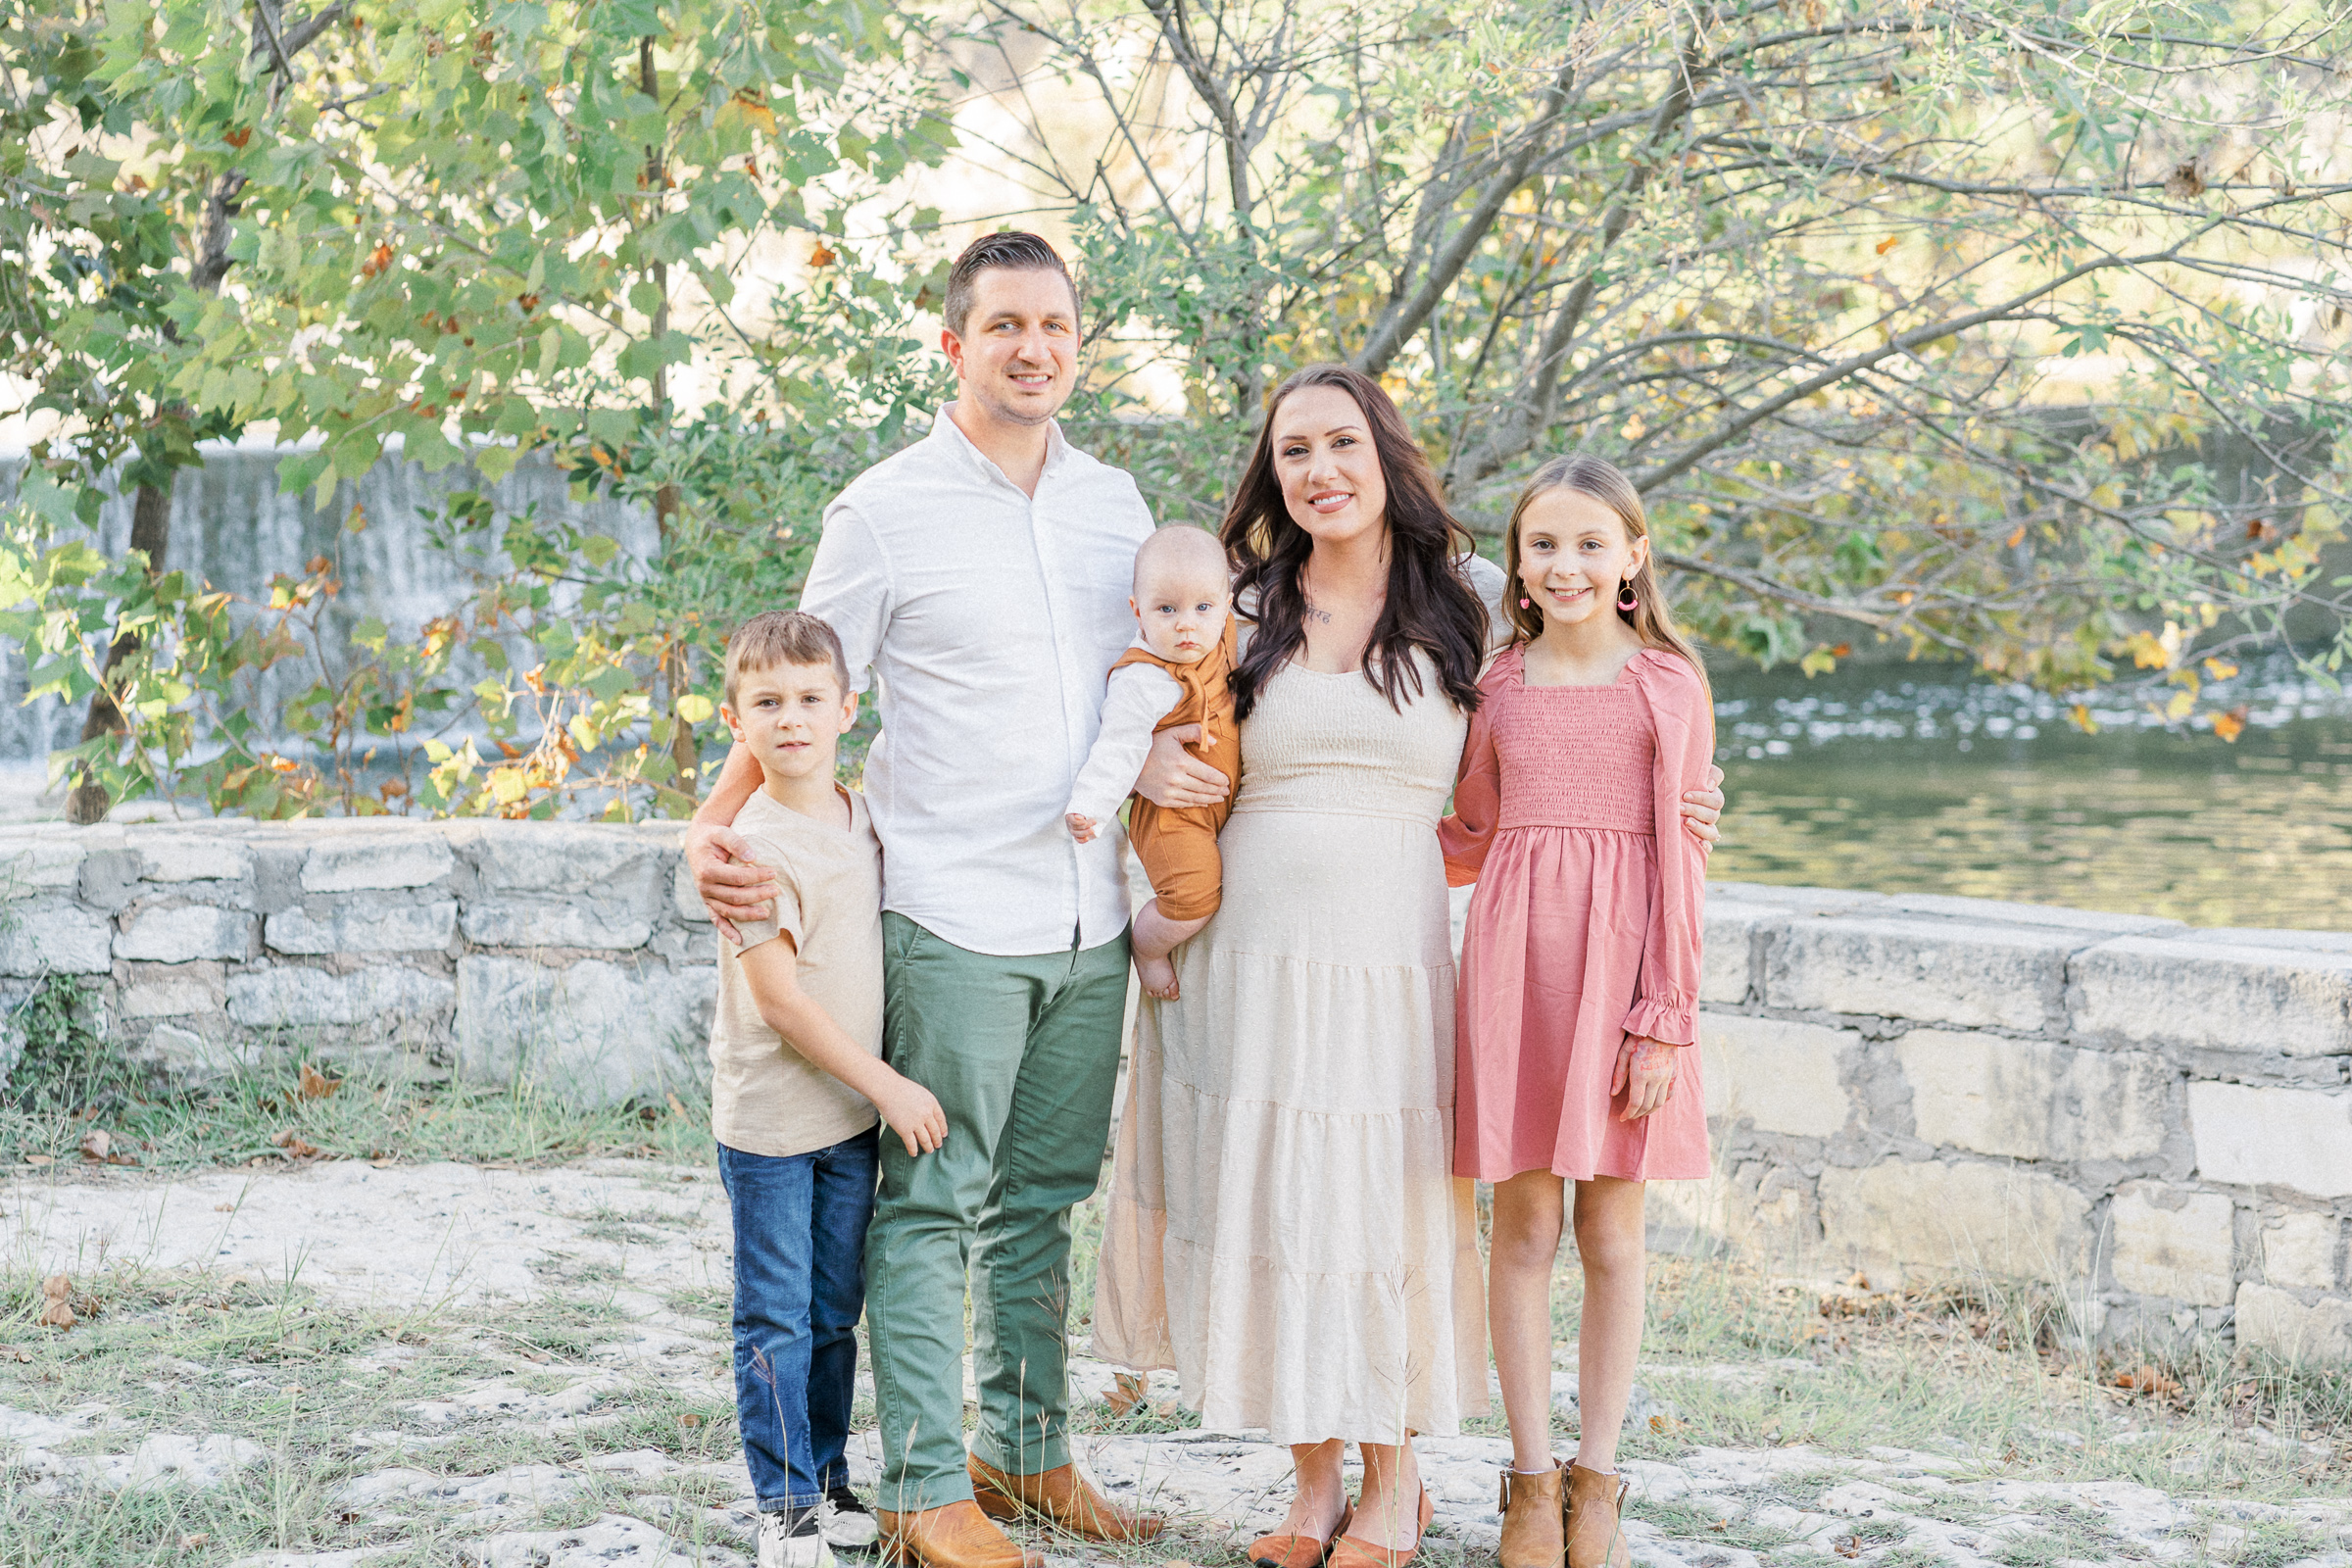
(1666, 999)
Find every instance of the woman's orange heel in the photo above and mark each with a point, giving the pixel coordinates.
(1297, 1552)
(1348, 1551)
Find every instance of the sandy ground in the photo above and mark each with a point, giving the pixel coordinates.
(461, 1246)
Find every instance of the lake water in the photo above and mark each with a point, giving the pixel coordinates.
(1918, 779)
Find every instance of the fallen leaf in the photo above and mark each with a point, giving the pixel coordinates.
(191, 1543)
(57, 1313)
(96, 1144)
(225, 1209)
(12, 1352)
(317, 1085)
(40, 1159)
(295, 1147)
(675, 1109)
(2146, 1380)
(690, 1419)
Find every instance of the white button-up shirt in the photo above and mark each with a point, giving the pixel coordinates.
(990, 619)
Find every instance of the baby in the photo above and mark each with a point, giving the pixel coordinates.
(1174, 674)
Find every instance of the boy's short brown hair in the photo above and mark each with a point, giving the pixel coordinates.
(783, 637)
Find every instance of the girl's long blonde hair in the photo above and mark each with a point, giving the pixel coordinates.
(1652, 621)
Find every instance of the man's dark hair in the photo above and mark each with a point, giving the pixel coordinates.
(1015, 250)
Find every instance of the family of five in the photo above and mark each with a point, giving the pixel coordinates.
(924, 988)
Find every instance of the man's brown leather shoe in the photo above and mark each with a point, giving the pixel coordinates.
(1063, 1499)
(958, 1535)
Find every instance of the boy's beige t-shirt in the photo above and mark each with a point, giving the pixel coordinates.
(765, 1098)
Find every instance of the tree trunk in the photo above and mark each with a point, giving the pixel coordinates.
(151, 531)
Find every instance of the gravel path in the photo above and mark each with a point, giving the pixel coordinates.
(572, 1320)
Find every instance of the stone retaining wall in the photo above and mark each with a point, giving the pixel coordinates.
(569, 953)
(2155, 1118)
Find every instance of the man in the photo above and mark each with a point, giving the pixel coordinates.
(982, 574)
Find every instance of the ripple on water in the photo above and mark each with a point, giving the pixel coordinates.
(1895, 782)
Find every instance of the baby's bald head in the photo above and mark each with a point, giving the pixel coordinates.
(1183, 592)
(1193, 552)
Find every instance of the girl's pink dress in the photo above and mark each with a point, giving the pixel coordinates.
(1585, 927)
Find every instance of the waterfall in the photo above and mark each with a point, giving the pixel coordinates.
(232, 527)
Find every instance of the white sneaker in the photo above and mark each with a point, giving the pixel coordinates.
(846, 1523)
(780, 1547)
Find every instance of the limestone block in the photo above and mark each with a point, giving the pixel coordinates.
(54, 935)
(173, 992)
(193, 857)
(556, 923)
(1975, 1216)
(180, 933)
(2271, 1319)
(2030, 1100)
(404, 858)
(2299, 1249)
(1972, 973)
(2241, 994)
(1784, 1077)
(190, 1057)
(1724, 960)
(1720, 1207)
(564, 857)
(382, 995)
(364, 928)
(2174, 1243)
(689, 906)
(2272, 1136)
(593, 1032)
(34, 862)
(2090, 923)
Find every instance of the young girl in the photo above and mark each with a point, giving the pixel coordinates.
(1577, 1007)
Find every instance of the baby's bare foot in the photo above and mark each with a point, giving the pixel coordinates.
(1159, 976)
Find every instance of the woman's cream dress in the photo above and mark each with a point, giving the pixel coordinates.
(1284, 1228)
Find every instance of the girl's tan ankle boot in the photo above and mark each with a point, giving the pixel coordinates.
(1534, 1519)
(1595, 1538)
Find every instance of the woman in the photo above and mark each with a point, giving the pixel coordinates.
(1289, 1131)
(1284, 1230)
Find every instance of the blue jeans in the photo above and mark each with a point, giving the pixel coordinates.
(799, 1287)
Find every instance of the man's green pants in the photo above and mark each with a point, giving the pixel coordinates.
(1023, 1054)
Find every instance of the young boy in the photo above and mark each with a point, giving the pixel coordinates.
(795, 1080)
(1175, 673)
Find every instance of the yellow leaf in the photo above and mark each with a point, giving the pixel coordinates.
(2178, 709)
(2220, 669)
(694, 707)
(2083, 719)
(507, 785)
(2229, 726)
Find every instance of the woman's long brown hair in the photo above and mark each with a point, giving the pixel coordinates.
(1430, 606)
(1652, 621)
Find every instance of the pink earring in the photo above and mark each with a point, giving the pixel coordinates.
(1523, 601)
(1626, 600)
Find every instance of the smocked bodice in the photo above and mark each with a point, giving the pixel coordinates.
(1606, 729)
(1330, 742)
